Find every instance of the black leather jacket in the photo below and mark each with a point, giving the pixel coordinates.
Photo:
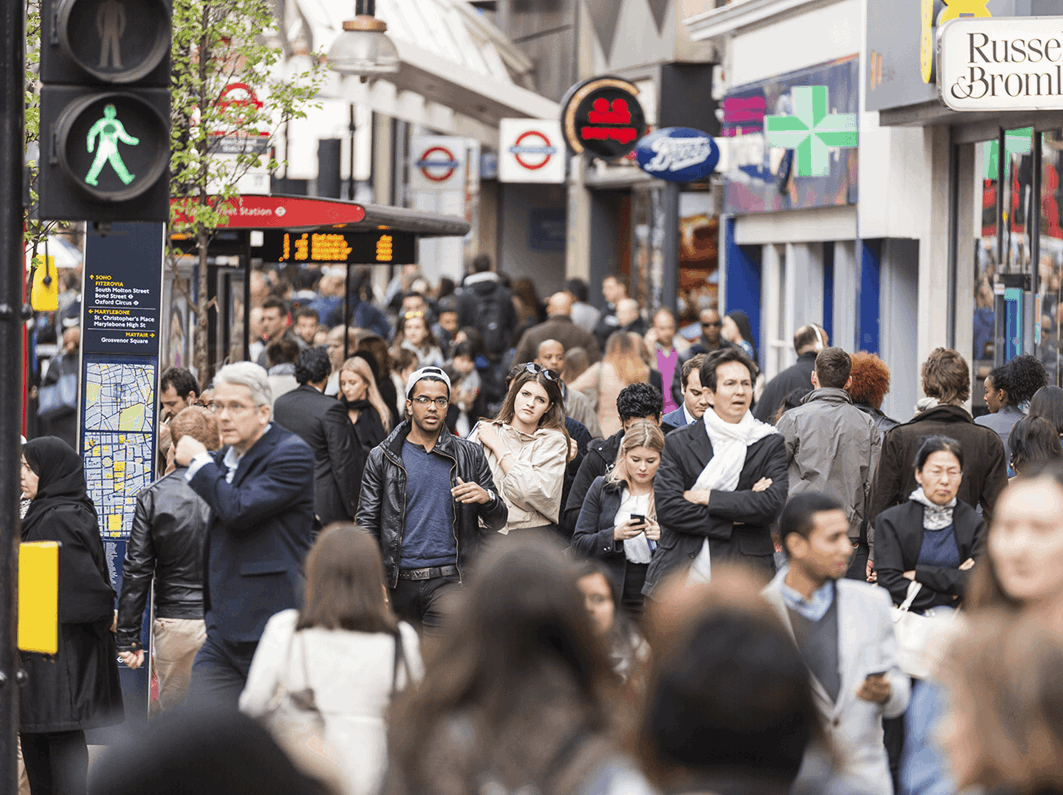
(166, 542)
(382, 510)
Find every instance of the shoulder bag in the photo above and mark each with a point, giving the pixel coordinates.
(292, 716)
(920, 639)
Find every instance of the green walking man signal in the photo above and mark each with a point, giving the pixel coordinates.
(110, 131)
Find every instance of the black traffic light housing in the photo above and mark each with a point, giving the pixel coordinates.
(105, 110)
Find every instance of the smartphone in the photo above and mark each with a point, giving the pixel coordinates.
(638, 518)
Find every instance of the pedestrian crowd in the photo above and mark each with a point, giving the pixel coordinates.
(443, 544)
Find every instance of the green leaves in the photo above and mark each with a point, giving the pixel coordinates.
(229, 100)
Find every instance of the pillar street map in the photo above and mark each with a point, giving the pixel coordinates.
(119, 415)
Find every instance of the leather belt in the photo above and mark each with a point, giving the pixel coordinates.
(427, 574)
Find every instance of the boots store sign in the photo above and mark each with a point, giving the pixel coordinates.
(1001, 64)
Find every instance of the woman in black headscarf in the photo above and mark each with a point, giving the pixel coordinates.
(79, 688)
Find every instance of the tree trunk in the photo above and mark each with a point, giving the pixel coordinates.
(200, 355)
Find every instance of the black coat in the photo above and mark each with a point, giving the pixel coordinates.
(165, 545)
(898, 538)
(594, 536)
(322, 422)
(985, 463)
(599, 459)
(382, 509)
(737, 523)
(259, 533)
(79, 688)
(796, 376)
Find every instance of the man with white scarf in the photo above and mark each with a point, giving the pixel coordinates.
(722, 482)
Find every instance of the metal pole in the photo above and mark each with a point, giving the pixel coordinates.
(12, 119)
(350, 178)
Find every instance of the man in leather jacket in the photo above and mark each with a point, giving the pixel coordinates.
(166, 541)
(429, 499)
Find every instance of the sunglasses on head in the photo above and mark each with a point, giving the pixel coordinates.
(535, 369)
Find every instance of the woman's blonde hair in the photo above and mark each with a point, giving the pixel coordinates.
(359, 366)
(623, 352)
(641, 433)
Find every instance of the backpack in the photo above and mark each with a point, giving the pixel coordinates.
(493, 320)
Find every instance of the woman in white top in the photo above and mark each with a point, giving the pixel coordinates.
(618, 521)
(527, 448)
(347, 646)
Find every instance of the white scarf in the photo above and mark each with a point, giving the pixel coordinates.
(729, 443)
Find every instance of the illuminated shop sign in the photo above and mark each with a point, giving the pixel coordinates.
(602, 117)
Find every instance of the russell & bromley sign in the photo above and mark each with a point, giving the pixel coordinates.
(1001, 64)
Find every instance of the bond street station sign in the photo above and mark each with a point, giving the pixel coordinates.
(1001, 64)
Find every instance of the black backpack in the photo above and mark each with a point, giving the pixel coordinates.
(494, 315)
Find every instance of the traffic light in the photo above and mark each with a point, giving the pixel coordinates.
(105, 110)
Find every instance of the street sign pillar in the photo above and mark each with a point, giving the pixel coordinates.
(12, 87)
(121, 326)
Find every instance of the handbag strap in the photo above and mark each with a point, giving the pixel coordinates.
(400, 658)
(913, 591)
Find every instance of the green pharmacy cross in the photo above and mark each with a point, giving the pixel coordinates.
(811, 131)
(1016, 142)
(109, 131)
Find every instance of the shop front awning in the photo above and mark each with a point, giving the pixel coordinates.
(459, 74)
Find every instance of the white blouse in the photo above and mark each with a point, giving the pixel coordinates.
(636, 549)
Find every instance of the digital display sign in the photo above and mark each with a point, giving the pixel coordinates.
(327, 246)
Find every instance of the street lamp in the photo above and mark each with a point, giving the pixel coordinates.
(364, 48)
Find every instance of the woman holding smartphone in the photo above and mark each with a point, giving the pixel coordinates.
(618, 521)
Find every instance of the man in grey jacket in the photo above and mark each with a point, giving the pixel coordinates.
(832, 446)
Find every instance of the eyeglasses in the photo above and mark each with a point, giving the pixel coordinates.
(424, 400)
(232, 408)
(535, 369)
(713, 323)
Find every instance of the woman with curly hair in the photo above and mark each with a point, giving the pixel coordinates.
(870, 381)
(1008, 390)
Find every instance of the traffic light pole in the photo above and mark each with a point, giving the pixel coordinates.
(12, 124)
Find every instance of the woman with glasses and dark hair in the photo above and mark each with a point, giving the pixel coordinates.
(933, 538)
(527, 448)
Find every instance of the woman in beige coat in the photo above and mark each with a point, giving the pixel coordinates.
(527, 448)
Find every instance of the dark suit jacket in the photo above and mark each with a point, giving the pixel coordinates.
(796, 376)
(898, 538)
(259, 533)
(322, 423)
(737, 523)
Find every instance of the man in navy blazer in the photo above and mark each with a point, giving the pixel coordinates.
(695, 397)
(260, 489)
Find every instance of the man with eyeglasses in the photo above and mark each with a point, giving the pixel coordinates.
(711, 340)
(260, 489)
(429, 499)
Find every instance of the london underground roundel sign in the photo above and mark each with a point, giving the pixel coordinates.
(602, 116)
(678, 154)
(437, 163)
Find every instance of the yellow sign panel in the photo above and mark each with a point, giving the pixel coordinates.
(38, 597)
(44, 297)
